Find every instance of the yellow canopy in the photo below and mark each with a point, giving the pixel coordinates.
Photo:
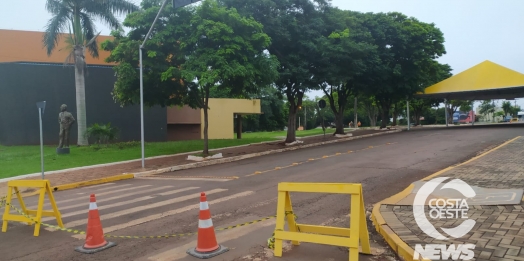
(486, 80)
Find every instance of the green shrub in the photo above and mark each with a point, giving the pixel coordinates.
(102, 134)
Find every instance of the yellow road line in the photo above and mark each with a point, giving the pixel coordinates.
(314, 159)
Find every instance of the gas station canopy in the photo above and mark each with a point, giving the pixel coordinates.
(486, 80)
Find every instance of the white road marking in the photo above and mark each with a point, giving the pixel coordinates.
(83, 221)
(121, 203)
(58, 202)
(168, 213)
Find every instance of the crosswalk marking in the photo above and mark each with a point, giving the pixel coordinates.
(102, 199)
(196, 205)
(97, 186)
(97, 194)
(90, 188)
(139, 208)
(100, 207)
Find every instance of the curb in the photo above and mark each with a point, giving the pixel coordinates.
(85, 183)
(403, 250)
(38, 174)
(252, 155)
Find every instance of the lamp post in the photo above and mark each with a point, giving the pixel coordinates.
(176, 4)
(41, 109)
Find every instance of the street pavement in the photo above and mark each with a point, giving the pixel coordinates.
(246, 190)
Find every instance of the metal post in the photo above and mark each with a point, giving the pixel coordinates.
(356, 116)
(142, 83)
(41, 142)
(472, 113)
(407, 103)
(305, 118)
(141, 108)
(446, 110)
(299, 121)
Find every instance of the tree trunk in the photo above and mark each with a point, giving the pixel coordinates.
(385, 117)
(80, 96)
(339, 121)
(291, 125)
(373, 121)
(395, 115)
(206, 140)
(293, 105)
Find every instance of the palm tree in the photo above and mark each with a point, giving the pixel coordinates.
(506, 107)
(79, 15)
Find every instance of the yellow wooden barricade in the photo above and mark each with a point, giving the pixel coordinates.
(344, 237)
(35, 215)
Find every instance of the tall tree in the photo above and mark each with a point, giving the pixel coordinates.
(194, 51)
(506, 107)
(487, 107)
(407, 49)
(293, 26)
(79, 15)
(344, 53)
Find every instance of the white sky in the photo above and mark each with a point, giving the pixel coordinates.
(474, 30)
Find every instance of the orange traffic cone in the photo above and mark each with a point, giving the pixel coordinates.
(95, 241)
(207, 245)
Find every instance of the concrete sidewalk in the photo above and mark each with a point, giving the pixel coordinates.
(498, 234)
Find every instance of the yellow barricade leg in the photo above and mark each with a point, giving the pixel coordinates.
(7, 208)
(291, 222)
(39, 211)
(355, 226)
(281, 207)
(364, 233)
(57, 214)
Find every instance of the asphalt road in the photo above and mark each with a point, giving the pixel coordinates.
(246, 190)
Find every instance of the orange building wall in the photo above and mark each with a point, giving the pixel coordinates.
(27, 46)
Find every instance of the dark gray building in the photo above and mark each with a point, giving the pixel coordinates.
(23, 84)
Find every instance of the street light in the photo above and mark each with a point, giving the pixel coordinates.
(176, 4)
(41, 109)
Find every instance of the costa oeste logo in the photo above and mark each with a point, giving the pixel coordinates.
(444, 208)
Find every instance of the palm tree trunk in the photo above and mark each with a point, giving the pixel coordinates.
(80, 95)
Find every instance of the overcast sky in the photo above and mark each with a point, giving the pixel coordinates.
(474, 30)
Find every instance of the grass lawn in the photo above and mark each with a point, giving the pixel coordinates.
(19, 160)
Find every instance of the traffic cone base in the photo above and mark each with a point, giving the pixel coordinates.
(205, 255)
(84, 250)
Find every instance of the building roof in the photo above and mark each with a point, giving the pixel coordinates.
(486, 80)
(26, 46)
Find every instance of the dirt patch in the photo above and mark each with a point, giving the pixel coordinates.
(152, 164)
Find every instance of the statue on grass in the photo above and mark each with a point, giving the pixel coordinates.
(65, 119)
